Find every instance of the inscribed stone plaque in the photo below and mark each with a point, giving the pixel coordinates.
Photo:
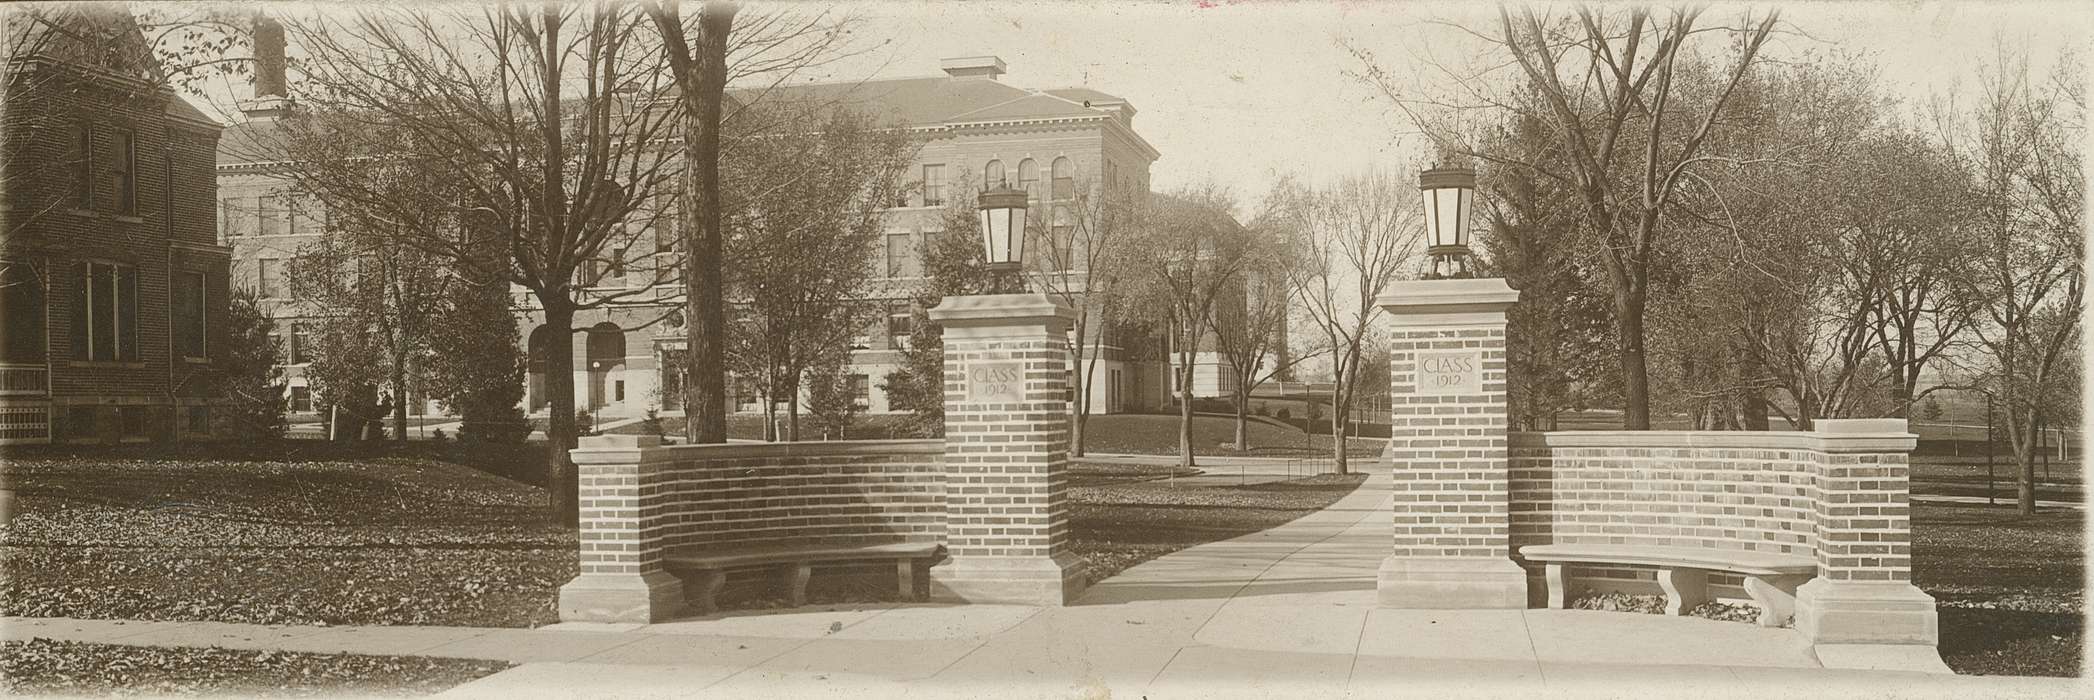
(996, 382)
(1449, 372)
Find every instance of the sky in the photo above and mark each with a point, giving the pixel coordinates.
(1240, 93)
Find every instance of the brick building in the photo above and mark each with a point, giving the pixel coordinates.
(971, 127)
(114, 285)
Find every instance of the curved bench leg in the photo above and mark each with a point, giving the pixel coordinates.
(700, 593)
(1684, 589)
(905, 577)
(1776, 596)
(796, 575)
(1559, 594)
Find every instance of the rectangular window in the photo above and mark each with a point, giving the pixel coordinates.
(84, 157)
(861, 390)
(290, 207)
(1062, 247)
(617, 267)
(107, 331)
(199, 420)
(167, 194)
(276, 345)
(900, 321)
(21, 313)
(269, 273)
(127, 176)
(300, 339)
(269, 216)
(934, 185)
(189, 314)
(301, 399)
(133, 422)
(228, 218)
(899, 256)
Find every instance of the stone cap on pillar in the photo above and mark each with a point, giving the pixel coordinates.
(1004, 310)
(1864, 435)
(1448, 302)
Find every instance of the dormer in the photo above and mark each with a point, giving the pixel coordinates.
(973, 67)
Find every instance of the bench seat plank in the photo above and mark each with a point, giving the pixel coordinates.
(1737, 561)
(718, 558)
(709, 565)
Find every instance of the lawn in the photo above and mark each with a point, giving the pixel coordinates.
(2009, 589)
(45, 666)
(414, 540)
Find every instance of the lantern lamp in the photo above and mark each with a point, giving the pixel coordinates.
(1002, 212)
(1449, 195)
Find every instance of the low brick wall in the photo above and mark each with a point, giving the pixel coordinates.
(640, 500)
(1838, 494)
(1720, 490)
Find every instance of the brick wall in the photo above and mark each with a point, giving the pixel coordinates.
(639, 500)
(1741, 491)
(1450, 496)
(1007, 490)
(1838, 494)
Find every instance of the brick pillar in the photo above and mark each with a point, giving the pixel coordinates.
(1447, 448)
(1863, 593)
(1006, 451)
(622, 579)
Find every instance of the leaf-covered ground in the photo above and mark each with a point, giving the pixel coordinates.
(1120, 520)
(2010, 590)
(384, 541)
(44, 666)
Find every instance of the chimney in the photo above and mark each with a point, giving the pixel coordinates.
(271, 99)
(973, 67)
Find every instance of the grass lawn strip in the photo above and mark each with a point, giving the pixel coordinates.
(46, 666)
(2009, 590)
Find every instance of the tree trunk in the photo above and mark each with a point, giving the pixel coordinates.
(1185, 411)
(1340, 408)
(792, 414)
(1243, 411)
(1083, 400)
(560, 482)
(705, 303)
(1635, 373)
(400, 401)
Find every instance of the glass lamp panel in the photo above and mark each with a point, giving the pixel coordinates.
(1432, 218)
(1447, 230)
(1466, 198)
(1017, 229)
(988, 229)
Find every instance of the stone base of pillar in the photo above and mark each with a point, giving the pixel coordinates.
(1445, 583)
(650, 597)
(1847, 612)
(1054, 581)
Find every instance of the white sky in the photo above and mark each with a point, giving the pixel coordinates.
(1242, 92)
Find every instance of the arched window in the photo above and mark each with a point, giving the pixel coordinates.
(1064, 178)
(1029, 177)
(992, 174)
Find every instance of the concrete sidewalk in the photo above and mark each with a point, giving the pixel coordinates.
(1289, 612)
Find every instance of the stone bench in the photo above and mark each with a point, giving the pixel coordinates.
(706, 568)
(1771, 579)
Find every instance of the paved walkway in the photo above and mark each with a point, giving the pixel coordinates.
(1289, 612)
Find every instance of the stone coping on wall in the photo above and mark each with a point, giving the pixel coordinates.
(1830, 436)
(625, 449)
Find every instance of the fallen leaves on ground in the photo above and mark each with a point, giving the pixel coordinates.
(2009, 589)
(45, 666)
(386, 541)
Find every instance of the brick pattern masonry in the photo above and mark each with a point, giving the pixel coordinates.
(639, 503)
(1451, 494)
(1007, 482)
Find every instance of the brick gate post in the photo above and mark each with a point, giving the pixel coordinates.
(1448, 449)
(1006, 451)
(1863, 593)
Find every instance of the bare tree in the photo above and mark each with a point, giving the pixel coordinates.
(544, 119)
(1195, 252)
(1353, 238)
(1082, 236)
(1609, 82)
(704, 54)
(1250, 334)
(2029, 274)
